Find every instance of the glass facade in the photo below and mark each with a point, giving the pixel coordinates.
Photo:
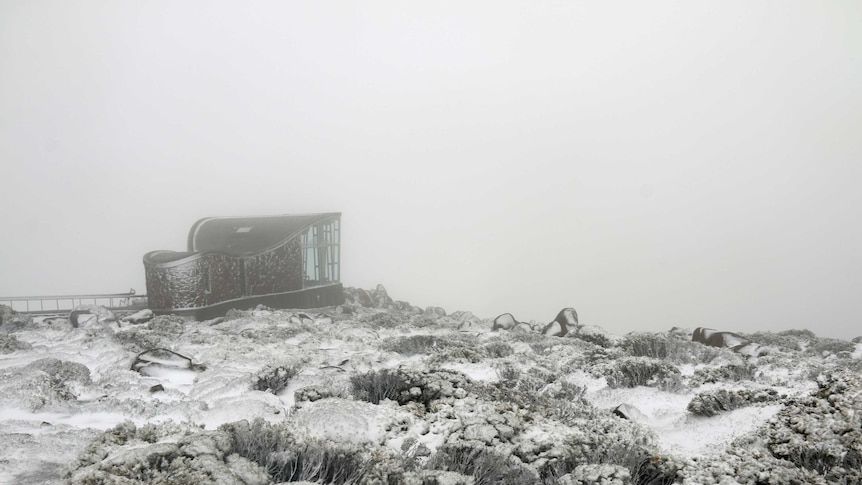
(321, 253)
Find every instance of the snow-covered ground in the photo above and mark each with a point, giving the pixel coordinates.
(541, 404)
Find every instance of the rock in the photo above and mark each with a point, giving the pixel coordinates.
(142, 316)
(102, 315)
(161, 362)
(857, 340)
(462, 316)
(680, 333)
(565, 322)
(344, 310)
(157, 388)
(627, 411)
(435, 310)
(505, 321)
(523, 327)
(729, 340)
(12, 320)
(364, 298)
(381, 297)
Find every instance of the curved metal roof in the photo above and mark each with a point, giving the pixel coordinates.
(239, 236)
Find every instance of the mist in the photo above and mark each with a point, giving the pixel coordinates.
(651, 164)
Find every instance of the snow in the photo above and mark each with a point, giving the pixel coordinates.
(51, 434)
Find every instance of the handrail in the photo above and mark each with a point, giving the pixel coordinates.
(63, 303)
(68, 297)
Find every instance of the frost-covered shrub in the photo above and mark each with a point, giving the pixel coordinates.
(569, 392)
(162, 454)
(594, 338)
(9, 343)
(169, 326)
(408, 386)
(825, 346)
(138, 339)
(447, 348)
(496, 350)
(383, 320)
(724, 373)
(784, 340)
(274, 378)
(287, 459)
(647, 345)
(656, 470)
(508, 374)
(279, 333)
(485, 466)
(315, 393)
(62, 370)
(643, 371)
(719, 401)
(601, 439)
(424, 320)
(804, 334)
(659, 346)
(822, 432)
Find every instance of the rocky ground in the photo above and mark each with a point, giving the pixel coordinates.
(382, 392)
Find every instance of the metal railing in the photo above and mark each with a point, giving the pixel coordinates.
(53, 304)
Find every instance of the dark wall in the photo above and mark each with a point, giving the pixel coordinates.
(200, 282)
(214, 278)
(275, 271)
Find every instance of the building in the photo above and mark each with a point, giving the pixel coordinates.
(283, 261)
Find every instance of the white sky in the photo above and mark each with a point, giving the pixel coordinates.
(649, 163)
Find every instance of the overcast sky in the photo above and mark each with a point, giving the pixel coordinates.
(649, 163)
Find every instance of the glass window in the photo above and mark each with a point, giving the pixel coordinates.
(321, 254)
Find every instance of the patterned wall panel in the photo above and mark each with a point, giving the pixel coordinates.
(275, 271)
(203, 281)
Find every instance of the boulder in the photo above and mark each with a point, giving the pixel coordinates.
(381, 297)
(627, 411)
(101, 315)
(728, 340)
(142, 316)
(505, 321)
(565, 322)
(857, 340)
(163, 363)
(435, 310)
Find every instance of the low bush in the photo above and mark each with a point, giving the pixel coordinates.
(825, 346)
(657, 346)
(62, 370)
(725, 373)
(286, 459)
(720, 401)
(170, 326)
(274, 378)
(404, 386)
(384, 320)
(594, 338)
(9, 343)
(644, 371)
(138, 339)
(783, 340)
(448, 348)
(485, 466)
(497, 350)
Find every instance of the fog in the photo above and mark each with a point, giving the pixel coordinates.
(649, 163)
